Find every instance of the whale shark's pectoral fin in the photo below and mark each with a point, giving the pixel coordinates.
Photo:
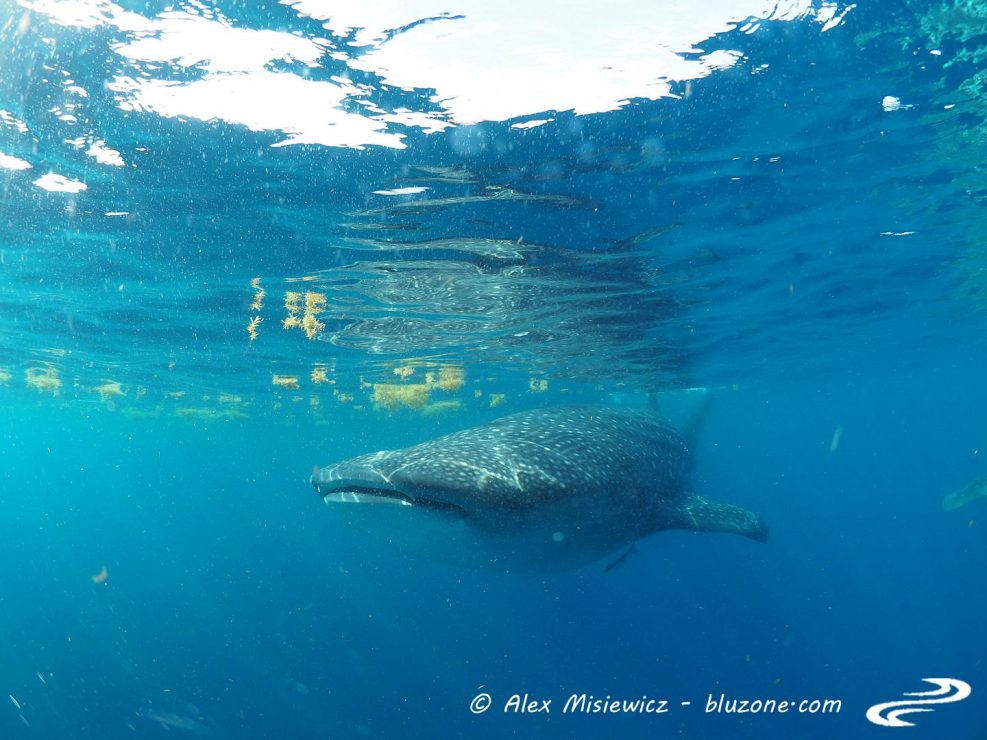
(619, 561)
(700, 515)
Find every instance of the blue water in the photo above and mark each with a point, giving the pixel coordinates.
(796, 225)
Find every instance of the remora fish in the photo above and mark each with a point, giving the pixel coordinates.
(548, 490)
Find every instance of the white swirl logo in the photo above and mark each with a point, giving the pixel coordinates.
(948, 691)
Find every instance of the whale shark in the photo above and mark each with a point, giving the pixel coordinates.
(543, 490)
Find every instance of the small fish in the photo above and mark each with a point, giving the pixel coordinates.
(14, 701)
(171, 720)
(962, 497)
(835, 442)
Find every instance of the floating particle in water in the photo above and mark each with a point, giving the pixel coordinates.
(101, 576)
(890, 103)
(835, 441)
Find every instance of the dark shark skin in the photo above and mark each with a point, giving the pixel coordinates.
(547, 490)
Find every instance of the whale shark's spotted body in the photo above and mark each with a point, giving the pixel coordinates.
(546, 489)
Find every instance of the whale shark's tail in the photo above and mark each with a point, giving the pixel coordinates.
(701, 515)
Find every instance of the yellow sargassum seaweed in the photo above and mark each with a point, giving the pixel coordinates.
(395, 395)
(44, 379)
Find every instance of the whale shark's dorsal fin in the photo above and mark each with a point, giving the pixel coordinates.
(685, 409)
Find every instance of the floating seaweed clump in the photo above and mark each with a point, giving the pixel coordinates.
(209, 413)
(252, 326)
(320, 376)
(439, 407)
(451, 378)
(285, 381)
(44, 379)
(109, 390)
(259, 293)
(395, 395)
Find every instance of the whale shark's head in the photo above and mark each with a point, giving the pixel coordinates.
(477, 507)
(440, 507)
(379, 478)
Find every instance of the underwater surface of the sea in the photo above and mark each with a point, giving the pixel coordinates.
(242, 239)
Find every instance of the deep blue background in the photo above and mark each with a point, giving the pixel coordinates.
(232, 589)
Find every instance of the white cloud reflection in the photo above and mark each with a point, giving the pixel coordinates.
(493, 61)
(190, 40)
(401, 191)
(103, 154)
(9, 162)
(55, 183)
(305, 111)
(483, 61)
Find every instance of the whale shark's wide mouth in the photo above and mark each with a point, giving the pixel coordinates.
(345, 492)
(363, 495)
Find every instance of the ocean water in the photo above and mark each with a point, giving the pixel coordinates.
(239, 240)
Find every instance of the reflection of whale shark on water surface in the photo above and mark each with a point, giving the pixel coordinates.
(548, 489)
